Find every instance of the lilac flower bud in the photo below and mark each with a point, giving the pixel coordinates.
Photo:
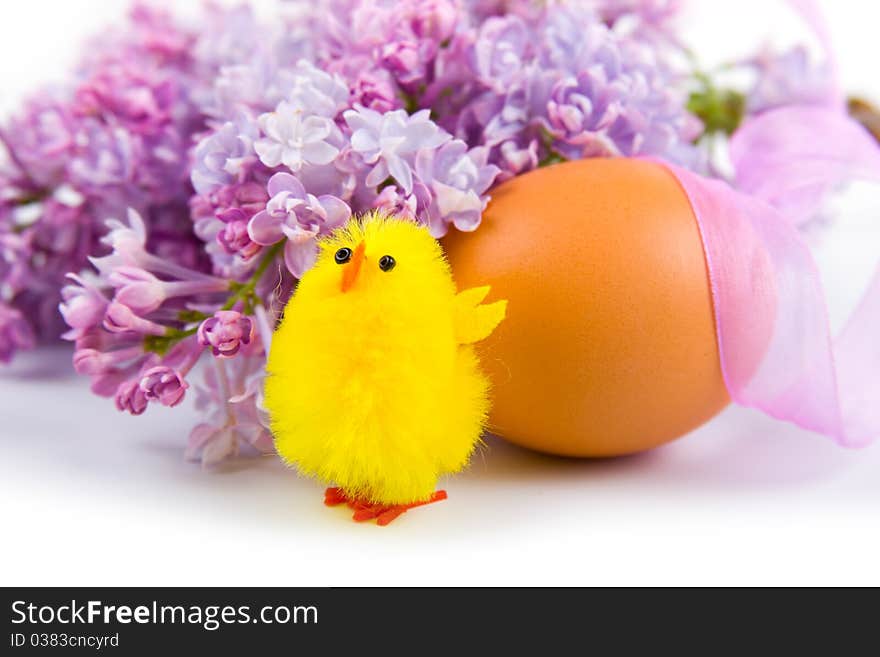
(225, 332)
(163, 384)
(127, 240)
(434, 20)
(94, 362)
(249, 197)
(515, 158)
(394, 202)
(130, 397)
(234, 237)
(375, 90)
(119, 318)
(138, 289)
(83, 305)
(89, 361)
(404, 61)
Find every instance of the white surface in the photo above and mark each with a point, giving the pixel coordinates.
(91, 496)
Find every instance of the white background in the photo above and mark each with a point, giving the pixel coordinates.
(92, 496)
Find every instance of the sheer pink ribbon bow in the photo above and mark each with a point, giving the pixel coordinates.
(775, 344)
(777, 353)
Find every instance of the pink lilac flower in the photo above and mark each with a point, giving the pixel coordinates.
(164, 380)
(298, 216)
(131, 398)
(141, 100)
(457, 179)
(390, 142)
(223, 158)
(128, 246)
(375, 89)
(163, 384)
(226, 332)
(500, 51)
(234, 237)
(220, 219)
(40, 138)
(434, 20)
(143, 292)
(251, 88)
(115, 137)
(91, 361)
(404, 60)
(83, 305)
(232, 399)
(393, 200)
(295, 138)
(134, 323)
(562, 85)
(321, 93)
(137, 288)
(119, 318)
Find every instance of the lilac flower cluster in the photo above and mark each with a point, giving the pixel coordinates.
(547, 84)
(231, 148)
(116, 138)
(142, 323)
(419, 107)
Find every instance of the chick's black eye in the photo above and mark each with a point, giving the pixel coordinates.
(343, 255)
(386, 263)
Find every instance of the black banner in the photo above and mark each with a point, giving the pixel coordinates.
(411, 621)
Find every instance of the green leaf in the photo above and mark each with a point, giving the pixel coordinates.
(720, 110)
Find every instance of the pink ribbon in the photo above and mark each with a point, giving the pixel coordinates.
(774, 339)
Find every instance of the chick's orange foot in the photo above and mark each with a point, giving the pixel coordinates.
(383, 513)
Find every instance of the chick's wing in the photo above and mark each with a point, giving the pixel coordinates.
(473, 320)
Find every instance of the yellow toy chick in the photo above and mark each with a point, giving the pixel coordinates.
(373, 384)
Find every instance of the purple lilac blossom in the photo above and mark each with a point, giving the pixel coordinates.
(225, 156)
(133, 297)
(294, 215)
(115, 137)
(565, 86)
(457, 178)
(295, 138)
(390, 142)
(226, 332)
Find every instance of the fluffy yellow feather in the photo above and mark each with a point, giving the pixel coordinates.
(372, 383)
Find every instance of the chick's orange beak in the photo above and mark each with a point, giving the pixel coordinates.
(353, 267)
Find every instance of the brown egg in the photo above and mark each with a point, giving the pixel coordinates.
(609, 343)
